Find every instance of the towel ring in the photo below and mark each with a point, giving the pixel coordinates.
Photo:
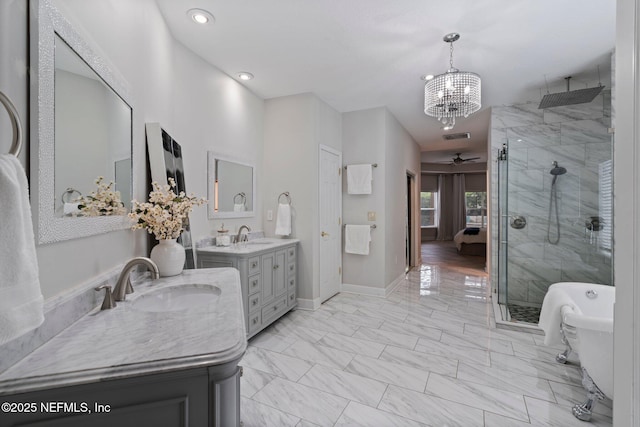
(243, 199)
(66, 196)
(16, 144)
(286, 195)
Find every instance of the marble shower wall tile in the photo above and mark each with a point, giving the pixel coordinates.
(540, 135)
(584, 132)
(516, 115)
(567, 113)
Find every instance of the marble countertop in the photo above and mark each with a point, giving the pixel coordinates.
(125, 341)
(248, 248)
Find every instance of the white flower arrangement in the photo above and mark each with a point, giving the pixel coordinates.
(166, 212)
(102, 202)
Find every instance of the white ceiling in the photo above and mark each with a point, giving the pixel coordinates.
(358, 54)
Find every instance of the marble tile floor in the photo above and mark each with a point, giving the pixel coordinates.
(428, 355)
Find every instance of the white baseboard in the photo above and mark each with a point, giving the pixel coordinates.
(373, 291)
(308, 304)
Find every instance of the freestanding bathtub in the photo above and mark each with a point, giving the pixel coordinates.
(586, 327)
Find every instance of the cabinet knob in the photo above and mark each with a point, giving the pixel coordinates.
(255, 302)
(275, 267)
(254, 264)
(275, 308)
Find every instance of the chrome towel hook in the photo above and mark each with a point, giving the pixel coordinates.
(287, 197)
(16, 145)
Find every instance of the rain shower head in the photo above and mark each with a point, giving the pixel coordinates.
(557, 170)
(570, 97)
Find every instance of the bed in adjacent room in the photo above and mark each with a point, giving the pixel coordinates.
(471, 241)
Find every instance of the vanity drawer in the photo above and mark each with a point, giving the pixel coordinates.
(291, 269)
(291, 254)
(254, 302)
(274, 309)
(291, 300)
(254, 284)
(291, 283)
(253, 264)
(254, 322)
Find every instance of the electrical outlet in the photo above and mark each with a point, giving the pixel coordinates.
(269, 215)
(371, 216)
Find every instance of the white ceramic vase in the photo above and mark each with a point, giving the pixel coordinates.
(169, 256)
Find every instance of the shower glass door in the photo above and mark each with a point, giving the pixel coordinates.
(555, 216)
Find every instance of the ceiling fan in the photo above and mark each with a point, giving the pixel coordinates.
(459, 160)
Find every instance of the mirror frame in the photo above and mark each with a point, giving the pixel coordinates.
(211, 172)
(46, 21)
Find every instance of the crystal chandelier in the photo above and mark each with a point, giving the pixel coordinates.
(452, 94)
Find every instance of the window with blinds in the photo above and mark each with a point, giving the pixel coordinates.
(605, 199)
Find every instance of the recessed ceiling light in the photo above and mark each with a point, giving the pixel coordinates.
(200, 16)
(427, 77)
(244, 75)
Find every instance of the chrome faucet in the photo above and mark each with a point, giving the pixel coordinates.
(239, 235)
(123, 285)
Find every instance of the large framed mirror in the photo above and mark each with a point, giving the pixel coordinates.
(81, 134)
(230, 186)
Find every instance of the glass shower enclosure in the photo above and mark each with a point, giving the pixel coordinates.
(552, 202)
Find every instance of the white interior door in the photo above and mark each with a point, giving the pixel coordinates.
(330, 213)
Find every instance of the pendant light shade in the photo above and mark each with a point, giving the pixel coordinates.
(452, 94)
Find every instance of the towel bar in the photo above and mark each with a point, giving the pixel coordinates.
(68, 193)
(375, 165)
(16, 144)
(285, 194)
(243, 198)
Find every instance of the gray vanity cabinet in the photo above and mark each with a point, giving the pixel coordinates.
(200, 397)
(268, 280)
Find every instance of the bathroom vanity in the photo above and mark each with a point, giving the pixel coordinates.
(267, 269)
(167, 356)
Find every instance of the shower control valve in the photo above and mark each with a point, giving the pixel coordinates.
(518, 222)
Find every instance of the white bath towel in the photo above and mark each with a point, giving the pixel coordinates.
(283, 220)
(21, 302)
(359, 179)
(551, 314)
(238, 207)
(356, 239)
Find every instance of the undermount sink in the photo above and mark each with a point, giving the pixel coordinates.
(176, 298)
(263, 241)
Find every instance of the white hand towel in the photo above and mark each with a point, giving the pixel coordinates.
(551, 314)
(238, 207)
(359, 179)
(71, 208)
(356, 239)
(283, 220)
(21, 302)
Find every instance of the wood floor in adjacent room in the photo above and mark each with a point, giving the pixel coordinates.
(445, 254)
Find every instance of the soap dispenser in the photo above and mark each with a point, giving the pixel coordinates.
(223, 238)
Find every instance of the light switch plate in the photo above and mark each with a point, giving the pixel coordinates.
(371, 216)
(269, 215)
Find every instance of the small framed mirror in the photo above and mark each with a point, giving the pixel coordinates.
(231, 187)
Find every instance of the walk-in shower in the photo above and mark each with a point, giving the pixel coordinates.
(551, 203)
